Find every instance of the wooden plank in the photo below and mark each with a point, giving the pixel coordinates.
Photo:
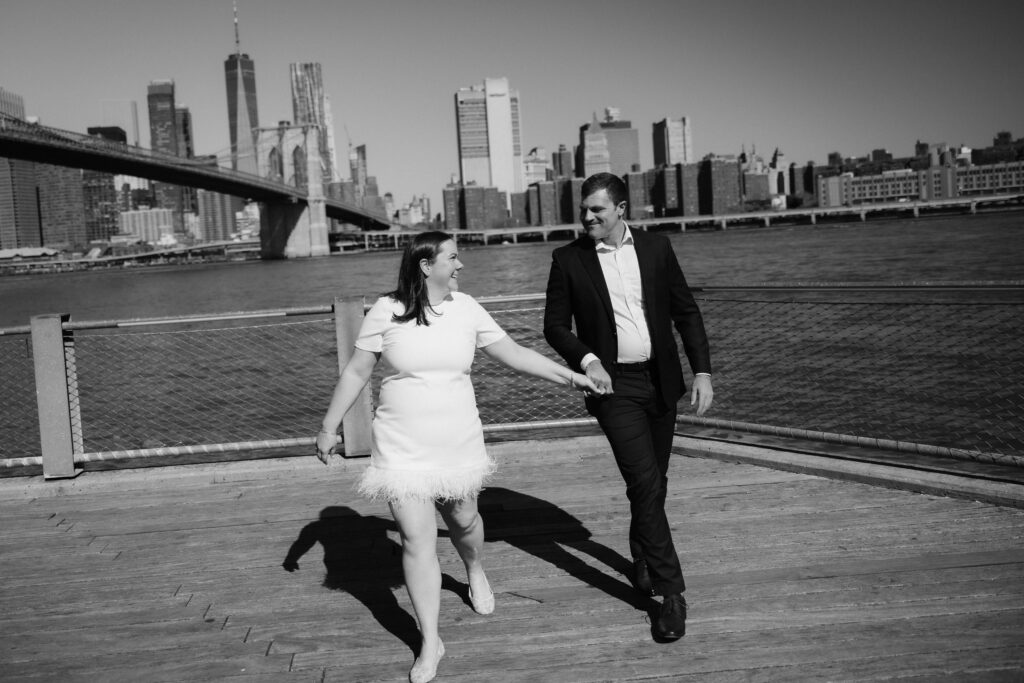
(178, 664)
(784, 570)
(602, 654)
(996, 492)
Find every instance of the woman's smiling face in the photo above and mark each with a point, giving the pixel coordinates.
(443, 273)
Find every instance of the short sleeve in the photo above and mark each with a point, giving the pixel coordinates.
(487, 331)
(371, 333)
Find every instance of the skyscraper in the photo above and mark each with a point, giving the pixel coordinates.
(611, 146)
(163, 124)
(357, 169)
(163, 132)
(183, 127)
(186, 150)
(215, 212)
(673, 142)
(310, 106)
(561, 161)
(240, 79)
(19, 208)
(61, 206)
(99, 193)
(332, 171)
(487, 122)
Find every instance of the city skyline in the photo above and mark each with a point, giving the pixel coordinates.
(795, 76)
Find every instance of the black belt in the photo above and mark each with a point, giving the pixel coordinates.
(642, 366)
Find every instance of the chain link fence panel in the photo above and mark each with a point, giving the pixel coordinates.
(204, 385)
(19, 418)
(504, 397)
(943, 374)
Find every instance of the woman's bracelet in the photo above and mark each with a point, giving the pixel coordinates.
(572, 379)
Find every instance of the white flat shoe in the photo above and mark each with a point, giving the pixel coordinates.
(420, 673)
(482, 604)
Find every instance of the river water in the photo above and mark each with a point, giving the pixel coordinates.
(951, 248)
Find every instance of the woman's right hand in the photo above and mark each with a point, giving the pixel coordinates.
(325, 444)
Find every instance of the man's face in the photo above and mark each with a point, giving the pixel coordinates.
(601, 218)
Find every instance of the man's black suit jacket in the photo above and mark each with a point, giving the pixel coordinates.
(576, 291)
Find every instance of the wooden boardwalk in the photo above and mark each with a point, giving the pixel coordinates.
(175, 574)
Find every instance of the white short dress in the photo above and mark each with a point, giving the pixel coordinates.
(428, 442)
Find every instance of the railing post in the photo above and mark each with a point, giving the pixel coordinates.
(348, 318)
(60, 422)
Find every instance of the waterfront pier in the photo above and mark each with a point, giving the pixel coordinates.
(155, 474)
(175, 573)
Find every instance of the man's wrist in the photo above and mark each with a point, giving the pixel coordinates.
(588, 360)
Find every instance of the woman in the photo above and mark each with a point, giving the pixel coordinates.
(427, 446)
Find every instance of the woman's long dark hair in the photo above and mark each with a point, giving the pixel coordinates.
(412, 286)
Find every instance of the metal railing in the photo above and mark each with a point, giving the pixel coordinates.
(943, 379)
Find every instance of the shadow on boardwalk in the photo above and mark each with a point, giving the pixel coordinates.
(544, 530)
(359, 559)
(176, 574)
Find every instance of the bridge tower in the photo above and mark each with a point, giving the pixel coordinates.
(291, 154)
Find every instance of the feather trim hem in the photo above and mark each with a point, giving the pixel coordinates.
(398, 485)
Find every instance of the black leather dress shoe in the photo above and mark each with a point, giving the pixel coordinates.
(671, 621)
(641, 578)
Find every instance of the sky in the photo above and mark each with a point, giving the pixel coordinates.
(805, 77)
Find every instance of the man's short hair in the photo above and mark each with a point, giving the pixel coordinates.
(605, 181)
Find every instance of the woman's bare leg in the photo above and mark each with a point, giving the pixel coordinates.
(417, 525)
(466, 528)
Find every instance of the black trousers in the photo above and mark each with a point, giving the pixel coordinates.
(640, 434)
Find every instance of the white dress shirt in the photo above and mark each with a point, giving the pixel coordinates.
(622, 276)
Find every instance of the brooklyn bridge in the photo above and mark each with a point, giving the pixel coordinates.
(293, 216)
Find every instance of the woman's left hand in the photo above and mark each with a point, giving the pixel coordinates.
(325, 444)
(586, 385)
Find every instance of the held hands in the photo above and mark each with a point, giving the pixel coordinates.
(325, 445)
(584, 384)
(599, 378)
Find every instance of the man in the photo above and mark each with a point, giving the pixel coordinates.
(625, 290)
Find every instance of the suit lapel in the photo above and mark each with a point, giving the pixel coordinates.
(588, 257)
(645, 258)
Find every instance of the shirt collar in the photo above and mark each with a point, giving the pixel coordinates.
(627, 238)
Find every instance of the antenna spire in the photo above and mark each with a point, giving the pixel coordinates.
(238, 43)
